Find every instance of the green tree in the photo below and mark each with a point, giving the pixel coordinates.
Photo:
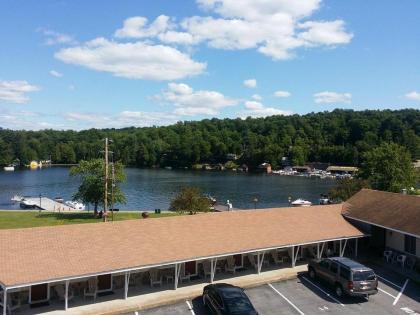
(92, 188)
(190, 199)
(347, 187)
(389, 167)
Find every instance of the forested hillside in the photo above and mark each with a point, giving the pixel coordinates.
(339, 137)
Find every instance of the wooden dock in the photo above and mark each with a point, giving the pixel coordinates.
(47, 204)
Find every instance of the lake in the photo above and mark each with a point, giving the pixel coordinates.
(148, 189)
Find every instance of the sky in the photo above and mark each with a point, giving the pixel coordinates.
(74, 64)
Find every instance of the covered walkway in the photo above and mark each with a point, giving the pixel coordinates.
(131, 257)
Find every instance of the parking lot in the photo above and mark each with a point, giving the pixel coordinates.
(303, 295)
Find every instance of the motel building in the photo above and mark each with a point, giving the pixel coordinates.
(57, 268)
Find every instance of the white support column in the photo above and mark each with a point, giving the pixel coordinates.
(260, 261)
(293, 256)
(177, 274)
(66, 296)
(296, 256)
(355, 247)
(213, 269)
(343, 248)
(126, 283)
(4, 300)
(339, 251)
(322, 250)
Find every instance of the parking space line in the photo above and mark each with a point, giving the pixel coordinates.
(287, 300)
(386, 280)
(136, 313)
(383, 291)
(326, 293)
(400, 293)
(190, 307)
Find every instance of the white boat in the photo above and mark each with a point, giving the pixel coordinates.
(301, 203)
(9, 168)
(75, 205)
(17, 198)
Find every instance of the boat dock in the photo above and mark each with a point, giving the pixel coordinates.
(45, 203)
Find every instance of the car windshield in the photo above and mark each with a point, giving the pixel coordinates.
(239, 305)
(363, 275)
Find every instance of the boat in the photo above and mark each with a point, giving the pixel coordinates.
(75, 205)
(27, 204)
(9, 168)
(17, 198)
(301, 203)
(33, 165)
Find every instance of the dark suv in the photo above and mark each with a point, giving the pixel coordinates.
(226, 299)
(347, 276)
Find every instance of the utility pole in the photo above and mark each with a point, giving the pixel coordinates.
(106, 179)
(112, 188)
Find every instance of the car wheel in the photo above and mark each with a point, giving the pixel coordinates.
(312, 273)
(338, 290)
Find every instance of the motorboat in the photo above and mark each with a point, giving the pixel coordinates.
(301, 203)
(9, 168)
(17, 198)
(27, 204)
(75, 205)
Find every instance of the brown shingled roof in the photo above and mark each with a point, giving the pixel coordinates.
(50, 253)
(396, 211)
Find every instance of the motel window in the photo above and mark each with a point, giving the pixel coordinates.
(410, 244)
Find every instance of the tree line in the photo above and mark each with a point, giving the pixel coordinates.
(339, 137)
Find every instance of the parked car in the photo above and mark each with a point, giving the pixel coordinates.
(226, 299)
(347, 276)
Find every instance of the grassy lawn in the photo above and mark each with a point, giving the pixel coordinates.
(26, 219)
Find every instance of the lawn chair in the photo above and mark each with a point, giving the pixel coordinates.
(410, 263)
(251, 259)
(13, 303)
(92, 289)
(207, 269)
(230, 265)
(277, 260)
(155, 278)
(184, 276)
(61, 292)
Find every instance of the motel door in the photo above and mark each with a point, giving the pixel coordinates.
(238, 260)
(104, 283)
(378, 238)
(191, 268)
(39, 293)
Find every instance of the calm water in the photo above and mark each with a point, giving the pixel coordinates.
(150, 189)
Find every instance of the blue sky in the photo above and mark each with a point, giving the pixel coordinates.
(82, 64)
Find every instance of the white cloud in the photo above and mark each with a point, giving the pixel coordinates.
(136, 27)
(80, 120)
(138, 60)
(257, 109)
(22, 119)
(282, 94)
(189, 102)
(332, 97)
(414, 96)
(56, 74)
(256, 97)
(15, 91)
(258, 9)
(56, 38)
(273, 27)
(324, 33)
(250, 83)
